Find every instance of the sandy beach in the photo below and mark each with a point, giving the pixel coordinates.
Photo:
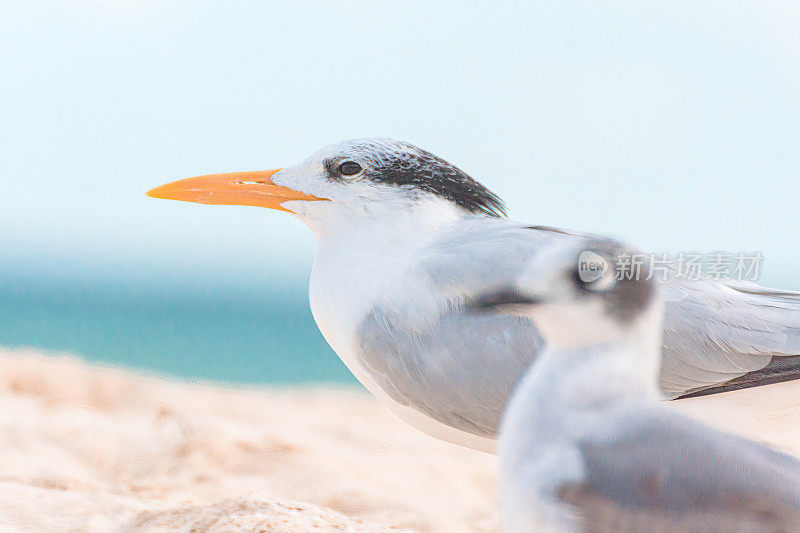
(84, 447)
(89, 448)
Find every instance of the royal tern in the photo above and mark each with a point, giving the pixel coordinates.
(405, 240)
(585, 443)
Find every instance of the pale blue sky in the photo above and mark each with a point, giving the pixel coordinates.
(675, 126)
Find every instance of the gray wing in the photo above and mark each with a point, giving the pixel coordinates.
(598, 514)
(715, 332)
(656, 467)
(458, 365)
(459, 371)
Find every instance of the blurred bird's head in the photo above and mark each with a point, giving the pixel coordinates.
(590, 293)
(347, 184)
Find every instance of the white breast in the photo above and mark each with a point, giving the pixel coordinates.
(362, 261)
(345, 284)
(369, 263)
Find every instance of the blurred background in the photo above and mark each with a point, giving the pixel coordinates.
(673, 125)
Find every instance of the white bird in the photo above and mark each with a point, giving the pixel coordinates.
(585, 442)
(405, 240)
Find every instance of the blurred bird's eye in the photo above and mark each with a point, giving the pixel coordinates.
(594, 272)
(603, 283)
(600, 282)
(349, 168)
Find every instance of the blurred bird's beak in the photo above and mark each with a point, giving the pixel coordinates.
(507, 298)
(235, 188)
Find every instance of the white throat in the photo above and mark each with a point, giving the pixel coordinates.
(624, 360)
(363, 256)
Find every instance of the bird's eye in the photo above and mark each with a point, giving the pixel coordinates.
(349, 168)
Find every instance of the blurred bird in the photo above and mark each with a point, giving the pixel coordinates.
(585, 443)
(406, 241)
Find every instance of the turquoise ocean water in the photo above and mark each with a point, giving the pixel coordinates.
(265, 335)
(261, 333)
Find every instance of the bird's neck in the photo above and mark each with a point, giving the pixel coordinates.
(365, 252)
(591, 377)
(566, 392)
(623, 360)
(365, 256)
(390, 222)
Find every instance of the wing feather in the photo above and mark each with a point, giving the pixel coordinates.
(656, 467)
(429, 349)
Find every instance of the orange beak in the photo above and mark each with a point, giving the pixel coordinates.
(235, 188)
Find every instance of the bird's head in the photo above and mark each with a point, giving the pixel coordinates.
(346, 183)
(583, 294)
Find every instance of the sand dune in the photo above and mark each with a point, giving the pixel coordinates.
(86, 448)
(90, 448)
